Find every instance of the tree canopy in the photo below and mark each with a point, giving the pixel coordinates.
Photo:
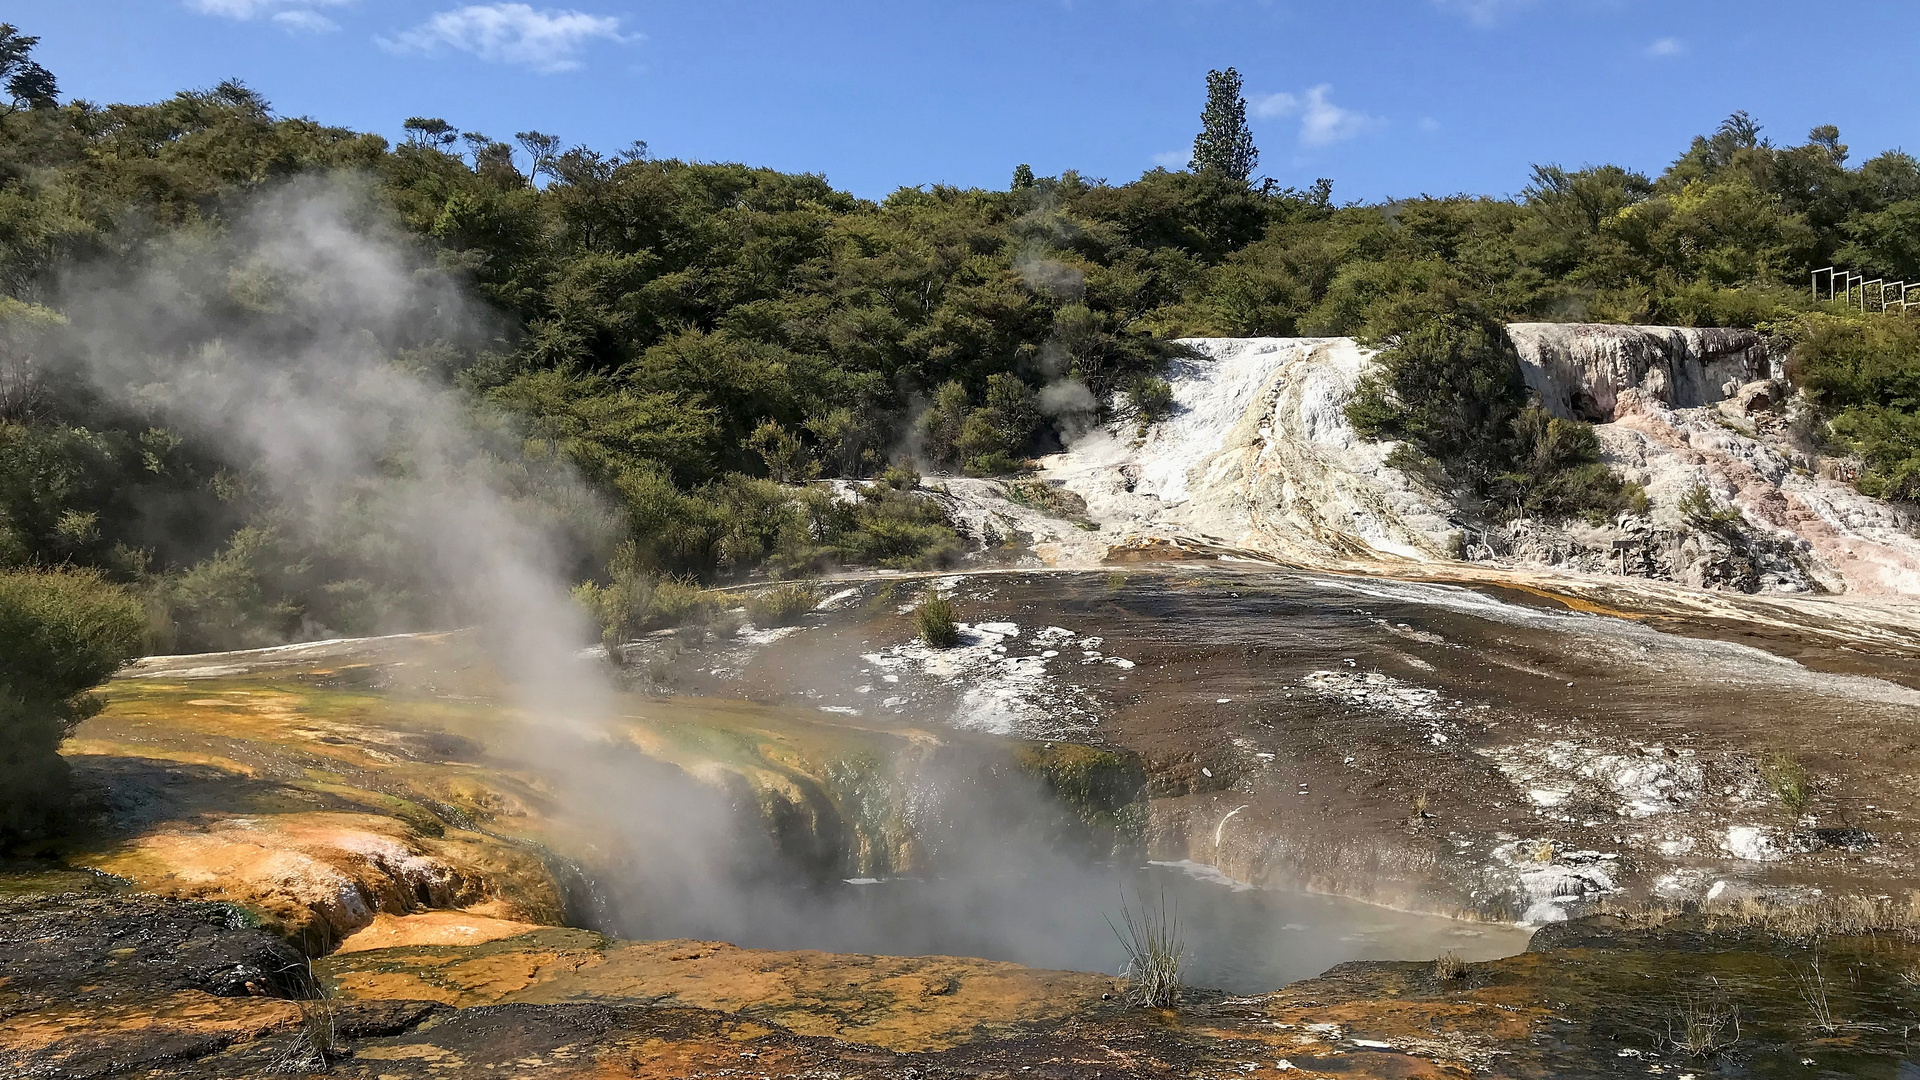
(696, 339)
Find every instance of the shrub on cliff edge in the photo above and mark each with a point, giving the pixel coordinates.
(1447, 387)
(62, 633)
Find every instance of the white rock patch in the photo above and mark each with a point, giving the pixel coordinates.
(1008, 678)
(1374, 690)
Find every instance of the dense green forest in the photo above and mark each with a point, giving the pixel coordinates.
(698, 340)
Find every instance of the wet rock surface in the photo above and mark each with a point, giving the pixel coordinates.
(130, 944)
(1422, 746)
(100, 985)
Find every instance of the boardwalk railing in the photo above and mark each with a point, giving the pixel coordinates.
(1878, 294)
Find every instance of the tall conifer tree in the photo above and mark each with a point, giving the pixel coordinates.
(1224, 144)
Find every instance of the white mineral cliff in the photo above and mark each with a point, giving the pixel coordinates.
(1578, 370)
(1257, 457)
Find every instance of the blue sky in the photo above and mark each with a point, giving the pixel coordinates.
(1387, 97)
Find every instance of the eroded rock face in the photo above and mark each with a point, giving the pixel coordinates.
(1579, 369)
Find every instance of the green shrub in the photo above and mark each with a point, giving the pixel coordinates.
(1151, 398)
(1862, 372)
(784, 604)
(1789, 781)
(238, 598)
(633, 602)
(1048, 498)
(1558, 472)
(1449, 385)
(62, 633)
(787, 459)
(1698, 510)
(738, 524)
(935, 616)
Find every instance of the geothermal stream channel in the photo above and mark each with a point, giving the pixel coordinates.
(1336, 763)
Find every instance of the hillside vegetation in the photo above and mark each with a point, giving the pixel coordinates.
(696, 340)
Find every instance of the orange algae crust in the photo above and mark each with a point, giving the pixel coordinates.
(324, 876)
(900, 1003)
(465, 927)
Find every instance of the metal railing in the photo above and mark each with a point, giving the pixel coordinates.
(1877, 294)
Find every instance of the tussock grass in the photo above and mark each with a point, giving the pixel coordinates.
(1448, 966)
(315, 1044)
(1154, 952)
(1809, 920)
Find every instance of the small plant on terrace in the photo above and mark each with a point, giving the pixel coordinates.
(1448, 966)
(1154, 952)
(1703, 1025)
(1789, 781)
(937, 624)
(1698, 509)
(315, 1044)
(1813, 991)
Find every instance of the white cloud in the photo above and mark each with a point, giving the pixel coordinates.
(546, 40)
(1429, 125)
(1322, 123)
(254, 9)
(1483, 12)
(1173, 159)
(305, 21)
(297, 16)
(1666, 47)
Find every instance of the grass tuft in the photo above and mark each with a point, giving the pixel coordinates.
(1154, 952)
(1448, 966)
(1813, 991)
(316, 1043)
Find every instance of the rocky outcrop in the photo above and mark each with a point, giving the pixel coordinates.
(1578, 370)
(1257, 458)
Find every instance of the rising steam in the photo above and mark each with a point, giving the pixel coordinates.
(276, 337)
